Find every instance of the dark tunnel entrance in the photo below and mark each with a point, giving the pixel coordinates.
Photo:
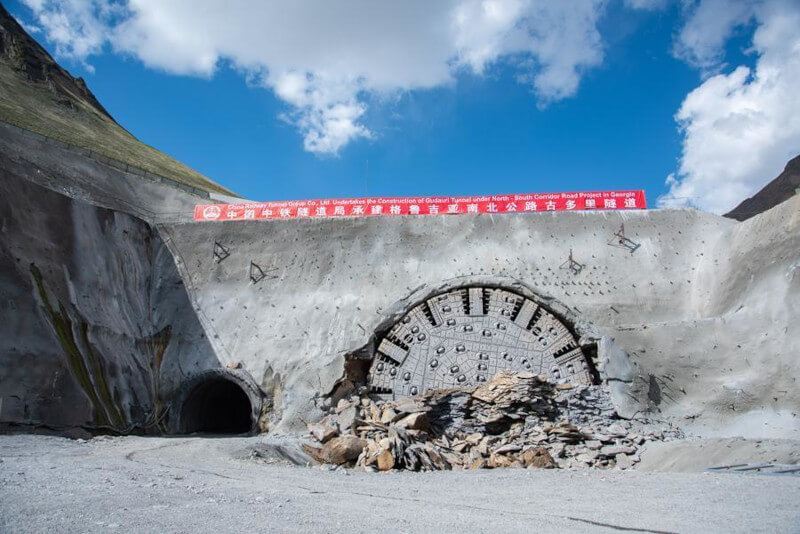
(217, 406)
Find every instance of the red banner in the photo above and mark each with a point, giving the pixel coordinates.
(363, 207)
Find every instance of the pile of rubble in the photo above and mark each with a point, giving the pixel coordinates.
(514, 420)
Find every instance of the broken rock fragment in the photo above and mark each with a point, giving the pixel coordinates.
(537, 457)
(338, 451)
(385, 460)
(512, 420)
(414, 421)
(324, 431)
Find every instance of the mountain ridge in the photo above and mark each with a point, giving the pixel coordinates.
(39, 95)
(25, 55)
(778, 190)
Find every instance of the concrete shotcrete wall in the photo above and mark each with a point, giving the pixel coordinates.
(109, 308)
(96, 330)
(68, 172)
(678, 322)
(731, 367)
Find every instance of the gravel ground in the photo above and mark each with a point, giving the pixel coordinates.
(135, 484)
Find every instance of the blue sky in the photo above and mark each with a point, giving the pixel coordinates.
(482, 130)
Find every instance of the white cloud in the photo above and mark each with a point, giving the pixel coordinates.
(323, 57)
(325, 111)
(741, 128)
(75, 27)
(649, 5)
(710, 23)
(30, 28)
(556, 41)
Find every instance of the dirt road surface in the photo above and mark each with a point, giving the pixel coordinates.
(137, 484)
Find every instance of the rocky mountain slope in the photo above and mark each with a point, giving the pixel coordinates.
(775, 192)
(39, 95)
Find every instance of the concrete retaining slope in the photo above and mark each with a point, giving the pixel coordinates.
(99, 328)
(693, 326)
(96, 329)
(67, 170)
(731, 368)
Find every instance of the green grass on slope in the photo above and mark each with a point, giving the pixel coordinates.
(37, 109)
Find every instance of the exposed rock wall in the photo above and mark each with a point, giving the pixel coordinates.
(778, 190)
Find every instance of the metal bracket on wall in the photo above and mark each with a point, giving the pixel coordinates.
(258, 273)
(622, 241)
(220, 252)
(574, 266)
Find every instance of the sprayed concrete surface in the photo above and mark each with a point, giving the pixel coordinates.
(114, 306)
(95, 316)
(695, 325)
(68, 172)
(212, 485)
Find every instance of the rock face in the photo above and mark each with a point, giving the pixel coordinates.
(778, 190)
(97, 329)
(513, 420)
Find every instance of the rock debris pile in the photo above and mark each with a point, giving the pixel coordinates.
(513, 420)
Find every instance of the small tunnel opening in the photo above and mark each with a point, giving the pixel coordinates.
(217, 406)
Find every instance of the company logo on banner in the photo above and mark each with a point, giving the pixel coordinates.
(365, 207)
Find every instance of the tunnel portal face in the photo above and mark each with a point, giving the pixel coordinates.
(217, 406)
(465, 336)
